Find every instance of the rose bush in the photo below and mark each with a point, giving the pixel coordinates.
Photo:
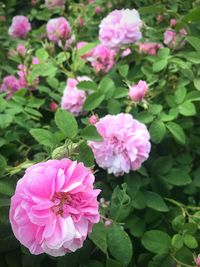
(99, 133)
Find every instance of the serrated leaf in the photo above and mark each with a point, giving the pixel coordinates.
(90, 133)
(177, 132)
(157, 131)
(93, 101)
(44, 137)
(155, 201)
(98, 236)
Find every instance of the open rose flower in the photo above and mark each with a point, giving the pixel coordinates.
(10, 85)
(125, 144)
(20, 27)
(54, 207)
(73, 98)
(120, 27)
(58, 29)
(173, 39)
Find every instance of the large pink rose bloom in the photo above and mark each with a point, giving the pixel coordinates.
(20, 27)
(55, 3)
(138, 91)
(54, 207)
(120, 27)
(10, 85)
(73, 98)
(58, 29)
(125, 144)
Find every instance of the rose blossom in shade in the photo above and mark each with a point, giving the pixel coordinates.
(138, 91)
(125, 144)
(10, 85)
(197, 261)
(173, 39)
(54, 207)
(172, 22)
(120, 27)
(21, 49)
(73, 98)
(149, 48)
(102, 58)
(51, 4)
(98, 10)
(58, 29)
(20, 27)
(160, 18)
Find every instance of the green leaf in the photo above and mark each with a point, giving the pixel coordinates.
(98, 236)
(155, 201)
(85, 49)
(156, 9)
(87, 85)
(178, 177)
(190, 241)
(193, 15)
(162, 165)
(180, 95)
(3, 104)
(120, 203)
(159, 65)
(42, 55)
(156, 241)
(113, 263)
(145, 117)
(157, 131)
(6, 189)
(120, 92)
(163, 52)
(44, 137)
(177, 132)
(123, 70)
(119, 244)
(107, 87)
(187, 109)
(177, 241)
(197, 84)
(85, 155)
(3, 164)
(90, 133)
(66, 122)
(5, 120)
(194, 41)
(93, 101)
(114, 106)
(53, 82)
(136, 226)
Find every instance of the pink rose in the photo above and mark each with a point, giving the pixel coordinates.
(102, 58)
(93, 119)
(172, 22)
(51, 4)
(197, 261)
(58, 29)
(53, 106)
(126, 52)
(138, 91)
(149, 48)
(10, 85)
(173, 39)
(20, 27)
(98, 10)
(125, 144)
(73, 98)
(160, 18)
(21, 50)
(54, 207)
(120, 27)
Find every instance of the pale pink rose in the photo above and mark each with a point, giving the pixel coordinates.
(125, 144)
(102, 58)
(120, 27)
(33, 2)
(126, 52)
(81, 22)
(54, 207)
(98, 10)
(73, 98)
(20, 27)
(10, 85)
(160, 18)
(21, 50)
(51, 4)
(149, 48)
(108, 223)
(58, 29)
(138, 91)
(53, 106)
(173, 39)
(90, 1)
(197, 261)
(172, 22)
(93, 119)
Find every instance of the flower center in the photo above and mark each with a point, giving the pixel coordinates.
(61, 200)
